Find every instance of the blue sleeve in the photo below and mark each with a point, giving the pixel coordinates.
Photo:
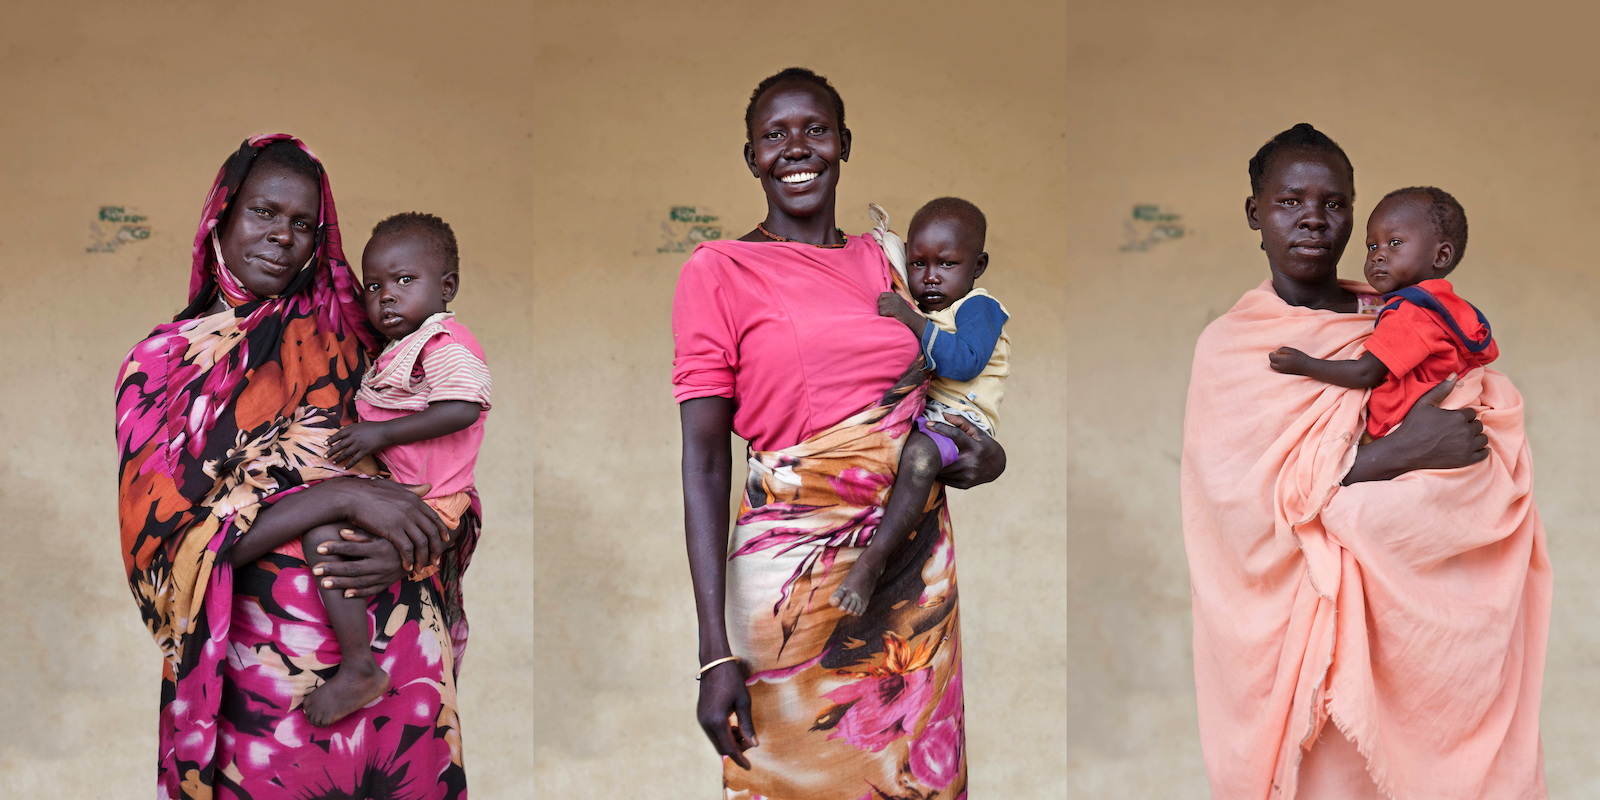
(962, 355)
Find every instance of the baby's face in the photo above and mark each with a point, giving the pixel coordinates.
(1403, 245)
(403, 282)
(942, 261)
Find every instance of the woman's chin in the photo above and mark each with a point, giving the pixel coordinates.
(1302, 270)
(799, 208)
(802, 205)
(266, 288)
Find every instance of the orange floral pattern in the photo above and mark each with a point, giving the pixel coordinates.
(846, 708)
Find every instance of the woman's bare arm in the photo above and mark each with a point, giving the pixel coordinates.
(386, 508)
(707, 482)
(1429, 438)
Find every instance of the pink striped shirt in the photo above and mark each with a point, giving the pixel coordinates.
(446, 364)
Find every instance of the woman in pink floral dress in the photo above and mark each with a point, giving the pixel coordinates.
(222, 421)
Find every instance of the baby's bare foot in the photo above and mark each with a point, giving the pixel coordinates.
(851, 596)
(352, 687)
(847, 601)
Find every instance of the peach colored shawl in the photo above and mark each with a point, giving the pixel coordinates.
(1413, 612)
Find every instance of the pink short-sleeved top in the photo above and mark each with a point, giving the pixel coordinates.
(451, 366)
(789, 331)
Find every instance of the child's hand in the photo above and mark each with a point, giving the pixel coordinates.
(1288, 360)
(354, 442)
(893, 305)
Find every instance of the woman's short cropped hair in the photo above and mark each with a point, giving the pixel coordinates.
(1301, 137)
(792, 75)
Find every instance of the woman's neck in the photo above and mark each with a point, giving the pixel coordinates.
(1325, 294)
(817, 229)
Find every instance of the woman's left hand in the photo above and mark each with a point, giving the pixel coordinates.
(981, 459)
(372, 564)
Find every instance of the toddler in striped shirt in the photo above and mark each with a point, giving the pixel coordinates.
(422, 406)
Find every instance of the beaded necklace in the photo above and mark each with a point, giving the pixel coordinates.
(776, 238)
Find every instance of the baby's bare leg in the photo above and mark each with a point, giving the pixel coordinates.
(359, 680)
(919, 468)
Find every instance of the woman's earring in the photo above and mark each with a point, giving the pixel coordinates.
(1263, 245)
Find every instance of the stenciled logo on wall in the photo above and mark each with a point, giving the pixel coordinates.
(116, 227)
(687, 226)
(1151, 225)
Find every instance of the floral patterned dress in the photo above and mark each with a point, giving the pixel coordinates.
(218, 416)
(847, 708)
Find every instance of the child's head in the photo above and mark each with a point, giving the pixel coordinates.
(944, 252)
(409, 271)
(1413, 235)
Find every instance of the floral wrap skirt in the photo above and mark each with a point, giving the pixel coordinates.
(846, 708)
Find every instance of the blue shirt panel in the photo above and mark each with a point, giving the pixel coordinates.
(961, 356)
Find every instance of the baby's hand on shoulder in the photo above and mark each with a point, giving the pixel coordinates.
(356, 441)
(1288, 360)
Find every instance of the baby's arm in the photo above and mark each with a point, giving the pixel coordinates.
(962, 356)
(1366, 372)
(355, 442)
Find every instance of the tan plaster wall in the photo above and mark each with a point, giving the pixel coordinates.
(557, 140)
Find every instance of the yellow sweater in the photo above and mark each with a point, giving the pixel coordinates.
(980, 397)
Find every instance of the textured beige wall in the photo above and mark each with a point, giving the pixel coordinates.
(556, 142)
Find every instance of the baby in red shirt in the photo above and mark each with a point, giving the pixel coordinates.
(1426, 333)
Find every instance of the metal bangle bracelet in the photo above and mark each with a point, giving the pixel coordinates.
(724, 660)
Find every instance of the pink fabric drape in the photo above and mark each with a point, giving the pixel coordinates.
(1414, 612)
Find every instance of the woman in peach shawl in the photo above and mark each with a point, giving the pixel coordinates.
(1399, 589)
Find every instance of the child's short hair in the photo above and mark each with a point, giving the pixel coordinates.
(436, 230)
(1449, 218)
(963, 210)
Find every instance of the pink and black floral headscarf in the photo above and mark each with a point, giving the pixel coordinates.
(218, 411)
(329, 278)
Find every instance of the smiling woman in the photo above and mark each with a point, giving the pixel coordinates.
(779, 339)
(796, 155)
